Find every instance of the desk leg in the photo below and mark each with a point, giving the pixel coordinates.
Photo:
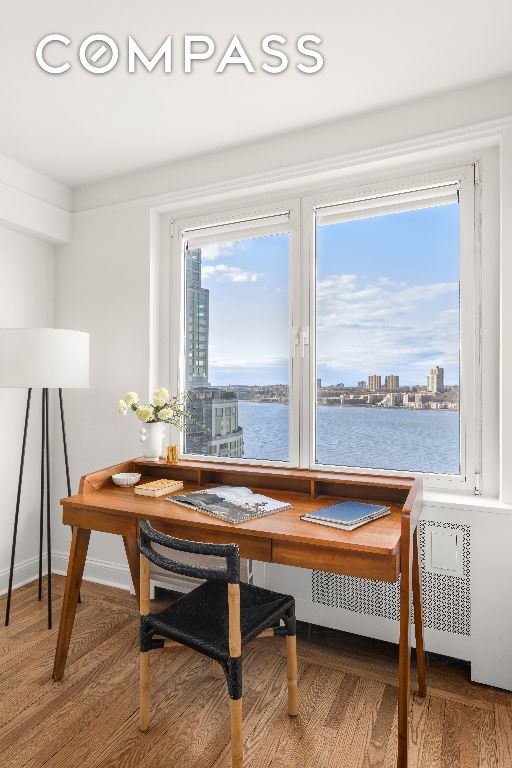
(77, 555)
(404, 657)
(132, 555)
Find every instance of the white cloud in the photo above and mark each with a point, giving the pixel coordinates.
(222, 274)
(341, 302)
(387, 326)
(221, 250)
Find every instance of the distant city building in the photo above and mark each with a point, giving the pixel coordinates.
(318, 384)
(393, 400)
(361, 384)
(392, 383)
(214, 429)
(351, 400)
(435, 380)
(374, 383)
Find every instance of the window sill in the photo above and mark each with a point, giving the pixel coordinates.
(465, 502)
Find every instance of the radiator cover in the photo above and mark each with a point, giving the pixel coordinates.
(446, 598)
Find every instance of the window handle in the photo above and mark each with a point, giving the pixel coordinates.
(304, 341)
(295, 338)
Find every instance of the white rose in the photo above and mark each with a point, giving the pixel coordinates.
(160, 396)
(145, 413)
(122, 407)
(164, 414)
(131, 398)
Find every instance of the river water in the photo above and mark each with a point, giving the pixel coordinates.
(379, 438)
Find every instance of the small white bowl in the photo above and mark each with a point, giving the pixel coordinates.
(126, 479)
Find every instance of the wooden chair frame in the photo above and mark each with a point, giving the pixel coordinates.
(235, 651)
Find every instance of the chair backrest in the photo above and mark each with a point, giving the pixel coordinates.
(230, 574)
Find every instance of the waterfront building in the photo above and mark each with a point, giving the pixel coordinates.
(353, 400)
(393, 400)
(374, 383)
(392, 383)
(214, 428)
(435, 380)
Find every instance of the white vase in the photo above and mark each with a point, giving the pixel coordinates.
(152, 438)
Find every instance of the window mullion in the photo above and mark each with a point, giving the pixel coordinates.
(295, 278)
(306, 352)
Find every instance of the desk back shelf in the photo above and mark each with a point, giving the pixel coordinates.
(385, 488)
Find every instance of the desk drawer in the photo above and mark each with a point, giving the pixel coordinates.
(251, 547)
(347, 562)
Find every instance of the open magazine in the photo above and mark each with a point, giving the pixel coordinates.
(232, 504)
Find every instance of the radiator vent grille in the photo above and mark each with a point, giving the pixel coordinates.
(446, 598)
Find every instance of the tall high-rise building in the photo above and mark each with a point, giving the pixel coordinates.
(214, 430)
(361, 384)
(374, 383)
(197, 320)
(435, 380)
(392, 383)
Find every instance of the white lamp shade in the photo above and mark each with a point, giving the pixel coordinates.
(44, 358)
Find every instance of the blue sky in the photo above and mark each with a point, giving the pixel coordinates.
(387, 301)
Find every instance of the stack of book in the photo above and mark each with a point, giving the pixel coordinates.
(347, 515)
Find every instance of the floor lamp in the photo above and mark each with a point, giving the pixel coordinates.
(42, 358)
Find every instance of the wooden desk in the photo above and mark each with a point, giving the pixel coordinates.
(385, 549)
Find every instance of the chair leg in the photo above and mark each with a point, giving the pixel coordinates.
(217, 670)
(145, 696)
(237, 741)
(291, 664)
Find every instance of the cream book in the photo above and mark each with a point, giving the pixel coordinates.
(158, 487)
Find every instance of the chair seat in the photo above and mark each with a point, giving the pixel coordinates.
(199, 619)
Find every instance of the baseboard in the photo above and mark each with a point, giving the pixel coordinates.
(117, 574)
(24, 573)
(98, 571)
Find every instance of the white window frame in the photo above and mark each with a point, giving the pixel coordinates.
(302, 297)
(177, 310)
(470, 320)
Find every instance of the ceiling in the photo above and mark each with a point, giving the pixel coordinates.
(78, 127)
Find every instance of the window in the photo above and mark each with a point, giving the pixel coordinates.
(337, 331)
(388, 315)
(236, 292)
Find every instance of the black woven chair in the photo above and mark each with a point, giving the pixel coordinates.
(217, 619)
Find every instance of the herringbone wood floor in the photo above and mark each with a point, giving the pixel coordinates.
(347, 701)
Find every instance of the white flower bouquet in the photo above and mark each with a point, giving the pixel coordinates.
(163, 410)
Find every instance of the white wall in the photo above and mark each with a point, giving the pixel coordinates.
(105, 281)
(103, 288)
(27, 273)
